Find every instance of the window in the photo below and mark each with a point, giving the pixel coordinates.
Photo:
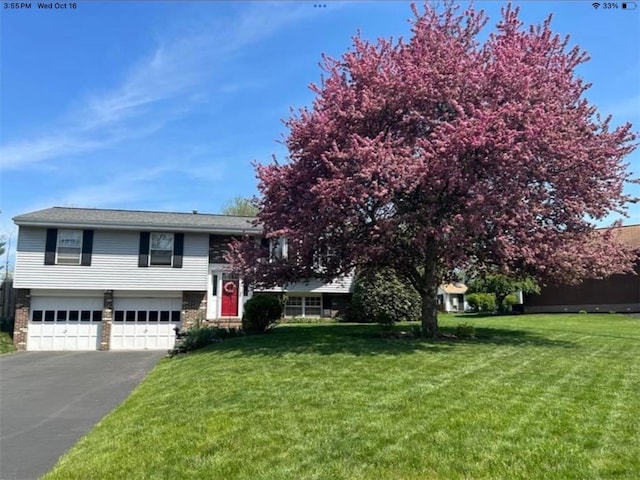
(69, 251)
(312, 306)
(161, 249)
(278, 249)
(293, 307)
(303, 307)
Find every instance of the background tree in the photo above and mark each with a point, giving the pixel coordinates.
(482, 302)
(241, 206)
(431, 154)
(2, 251)
(502, 286)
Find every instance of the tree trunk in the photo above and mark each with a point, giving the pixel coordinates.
(499, 303)
(429, 296)
(430, 313)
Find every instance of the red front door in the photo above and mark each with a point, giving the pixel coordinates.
(229, 298)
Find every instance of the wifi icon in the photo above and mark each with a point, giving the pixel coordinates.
(595, 5)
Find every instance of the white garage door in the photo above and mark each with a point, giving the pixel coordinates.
(145, 323)
(59, 323)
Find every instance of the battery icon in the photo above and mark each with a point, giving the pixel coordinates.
(629, 5)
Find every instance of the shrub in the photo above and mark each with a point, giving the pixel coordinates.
(224, 333)
(382, 292)
(6, 344)
(294, 320)
(260, 312)
(197, 337)
(482, 302)
(385, 321)
(508, 302)
(416, 331)
(464, 330)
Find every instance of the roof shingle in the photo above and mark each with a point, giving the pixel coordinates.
(92, 217)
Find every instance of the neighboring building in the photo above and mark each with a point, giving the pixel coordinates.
(451, 297)
(90, 279)
(617, 293)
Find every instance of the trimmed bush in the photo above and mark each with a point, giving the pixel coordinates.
(508, 302)
(260, 312)
(482, 302)
(382, 293)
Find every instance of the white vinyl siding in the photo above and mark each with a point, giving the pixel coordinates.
(340, 285)
(114, 264)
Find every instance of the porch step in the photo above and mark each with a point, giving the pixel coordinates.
(226, 322)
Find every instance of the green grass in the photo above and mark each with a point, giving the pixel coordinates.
(532, 397)
(6, 343)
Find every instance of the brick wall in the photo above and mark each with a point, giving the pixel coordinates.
(23, 310)
(226, 322)
(107, 319)
(194, 308)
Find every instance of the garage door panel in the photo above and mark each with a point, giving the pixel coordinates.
(145, 323)
(65, 323)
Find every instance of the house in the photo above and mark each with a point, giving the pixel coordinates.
(93, 279)
(451, 297)
(617, 293)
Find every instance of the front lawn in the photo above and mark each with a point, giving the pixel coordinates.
(532, 397)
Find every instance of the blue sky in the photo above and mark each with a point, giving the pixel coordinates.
(164, 105)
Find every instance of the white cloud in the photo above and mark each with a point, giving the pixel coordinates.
(157, 88)
(122, 188)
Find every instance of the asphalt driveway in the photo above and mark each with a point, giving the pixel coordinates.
(48, 400)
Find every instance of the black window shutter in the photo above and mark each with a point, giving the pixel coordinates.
(178, 249)
(87, 247)
(50, 246)
(143, 252)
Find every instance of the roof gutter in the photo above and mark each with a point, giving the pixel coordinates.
(138, 227)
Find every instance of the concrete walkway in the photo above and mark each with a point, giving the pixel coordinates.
(48, 400)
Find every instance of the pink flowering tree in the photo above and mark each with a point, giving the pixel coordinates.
(441, 153)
